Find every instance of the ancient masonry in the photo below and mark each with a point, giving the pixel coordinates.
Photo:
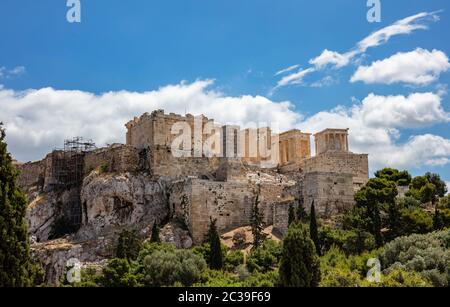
(216, 176)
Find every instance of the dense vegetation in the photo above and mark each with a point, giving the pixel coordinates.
(408, 234)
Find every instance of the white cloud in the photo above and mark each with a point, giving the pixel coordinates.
(418, 67)
(39, 120)
(295, 78)
(338, 60)
(374, 128)
(400, 27)
(333, 58)
(288, 69)
(448, 187)
(414, 111)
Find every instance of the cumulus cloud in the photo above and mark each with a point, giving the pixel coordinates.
(418, 67)
(414, 111)
(448, 187)
(375, 128)
(39, 120)
(334, 59)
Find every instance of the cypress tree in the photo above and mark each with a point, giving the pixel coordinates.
(128, 245)
(155, 234)
(257, 223)
(16, 266)
(313, 228)
(215, 253)
(299, 265)
(301, 213)
(291, 217)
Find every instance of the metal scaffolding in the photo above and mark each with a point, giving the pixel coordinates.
(67, 171)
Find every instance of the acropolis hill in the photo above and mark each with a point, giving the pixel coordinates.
(99, 192)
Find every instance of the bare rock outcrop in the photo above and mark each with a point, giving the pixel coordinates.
(115, 201)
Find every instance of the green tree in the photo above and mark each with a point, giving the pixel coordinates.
(299, 265)
(395, 220)
(401, 178)
(313, 229)
(117, 273)
(291, 217)
(215, 252)
(155, 234)
(128, 245)
(301, 212)
(257, 222)
(439, 184)
(16, 266)
(375, 194)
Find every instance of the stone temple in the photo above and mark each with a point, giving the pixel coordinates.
(187, 170)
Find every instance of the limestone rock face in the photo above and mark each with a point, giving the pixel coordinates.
(55, 256)
(114, 201)
(175, 234)
(40, 215)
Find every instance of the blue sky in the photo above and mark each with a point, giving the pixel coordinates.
(141, 46)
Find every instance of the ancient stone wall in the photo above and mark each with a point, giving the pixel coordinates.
(281, 216)
(331, 192)
(341, 163)
(195, 201)
(116, 158)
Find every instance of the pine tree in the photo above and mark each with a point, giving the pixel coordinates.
(155, 234)
(313, 228)
(299, 265)
(257, 223)
(215, 253)
(16, 266)
(291, 217)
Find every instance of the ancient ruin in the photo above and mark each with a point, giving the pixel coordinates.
(181, 182)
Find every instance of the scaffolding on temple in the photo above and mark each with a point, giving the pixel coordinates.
(67, 168)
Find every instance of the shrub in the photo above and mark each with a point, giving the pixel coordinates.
(416, 220)
(118, 274)
(264, 258)
(427, 254)
(399, 278)
(239, 239)
(350, 241)
(232, 260)
(165, 267)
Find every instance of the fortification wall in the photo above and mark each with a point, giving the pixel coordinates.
(116, 158)
(331, 192)
(195, 201)
(341, 163)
